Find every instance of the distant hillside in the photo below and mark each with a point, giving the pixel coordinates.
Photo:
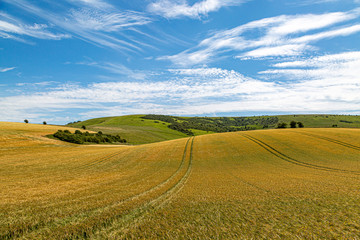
(140, 129)
(133, 128)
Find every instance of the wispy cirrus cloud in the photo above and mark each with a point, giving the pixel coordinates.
(93, 24)
(13, 28)
(333, 70)
(93, 3)
(116, 68)
(284, 35)
(181, 8)
(6, 69)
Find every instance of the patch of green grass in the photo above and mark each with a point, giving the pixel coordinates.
(133, 128)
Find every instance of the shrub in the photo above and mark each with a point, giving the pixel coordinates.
(83, 127)
(26, 121)
(86, 137)
(300, 124)
(44, 122)
(282, 125)
(293, 124)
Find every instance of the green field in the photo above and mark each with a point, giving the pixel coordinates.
(138, 130)
(133, 128)
(266, 184)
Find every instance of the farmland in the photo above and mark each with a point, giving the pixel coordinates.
(261, 184)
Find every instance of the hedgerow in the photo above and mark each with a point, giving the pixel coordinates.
(85, 137)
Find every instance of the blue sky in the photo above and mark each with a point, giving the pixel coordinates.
(69, 60)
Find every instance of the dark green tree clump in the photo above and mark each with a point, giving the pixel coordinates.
(26, 121)
(282, 125)
(300, 124)
(293, 124)
(44, 122)
(86, 137)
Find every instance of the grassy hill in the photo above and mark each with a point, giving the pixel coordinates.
(133, 128)
(139, 129)
(266, 184)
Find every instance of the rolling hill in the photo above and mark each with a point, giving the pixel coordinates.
(133, 128)
(240, 185)
(140, 129)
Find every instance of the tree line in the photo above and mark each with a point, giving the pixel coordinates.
(293, 124)
(221, 124)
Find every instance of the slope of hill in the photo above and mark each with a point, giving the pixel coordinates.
(133, 128)
(139, 129)
(262, 184)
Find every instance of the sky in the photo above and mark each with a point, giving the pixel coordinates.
(70, 60)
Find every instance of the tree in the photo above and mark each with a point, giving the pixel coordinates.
(282, 125)
(83, 127)
(26, 121)
(44, 122)
(300, 124)
(293, 124)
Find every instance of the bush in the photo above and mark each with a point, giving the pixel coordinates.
(44, 122)
(83, 127)
(300, 124)
(26, 121)
(282, 125)
(86, 137)
(293, 124)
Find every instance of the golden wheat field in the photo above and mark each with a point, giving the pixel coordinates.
(271, 184)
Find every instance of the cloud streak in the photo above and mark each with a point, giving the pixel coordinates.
(283, 35)
(180, 8)
(6, 69)
(13, 28)
(93, 24)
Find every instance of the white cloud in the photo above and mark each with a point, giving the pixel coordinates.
(332, 70)
(93, 3)
(325, 84)
(92, 24)
(276, 36)
(181, 8)
(284, 50)
(106, 22)
(7, 69)
(13, 28)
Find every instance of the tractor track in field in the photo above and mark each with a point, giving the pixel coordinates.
(139, 213)
(144, 178)
(95, 213)
(344, 144)
(99, 160)
(286, 158)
